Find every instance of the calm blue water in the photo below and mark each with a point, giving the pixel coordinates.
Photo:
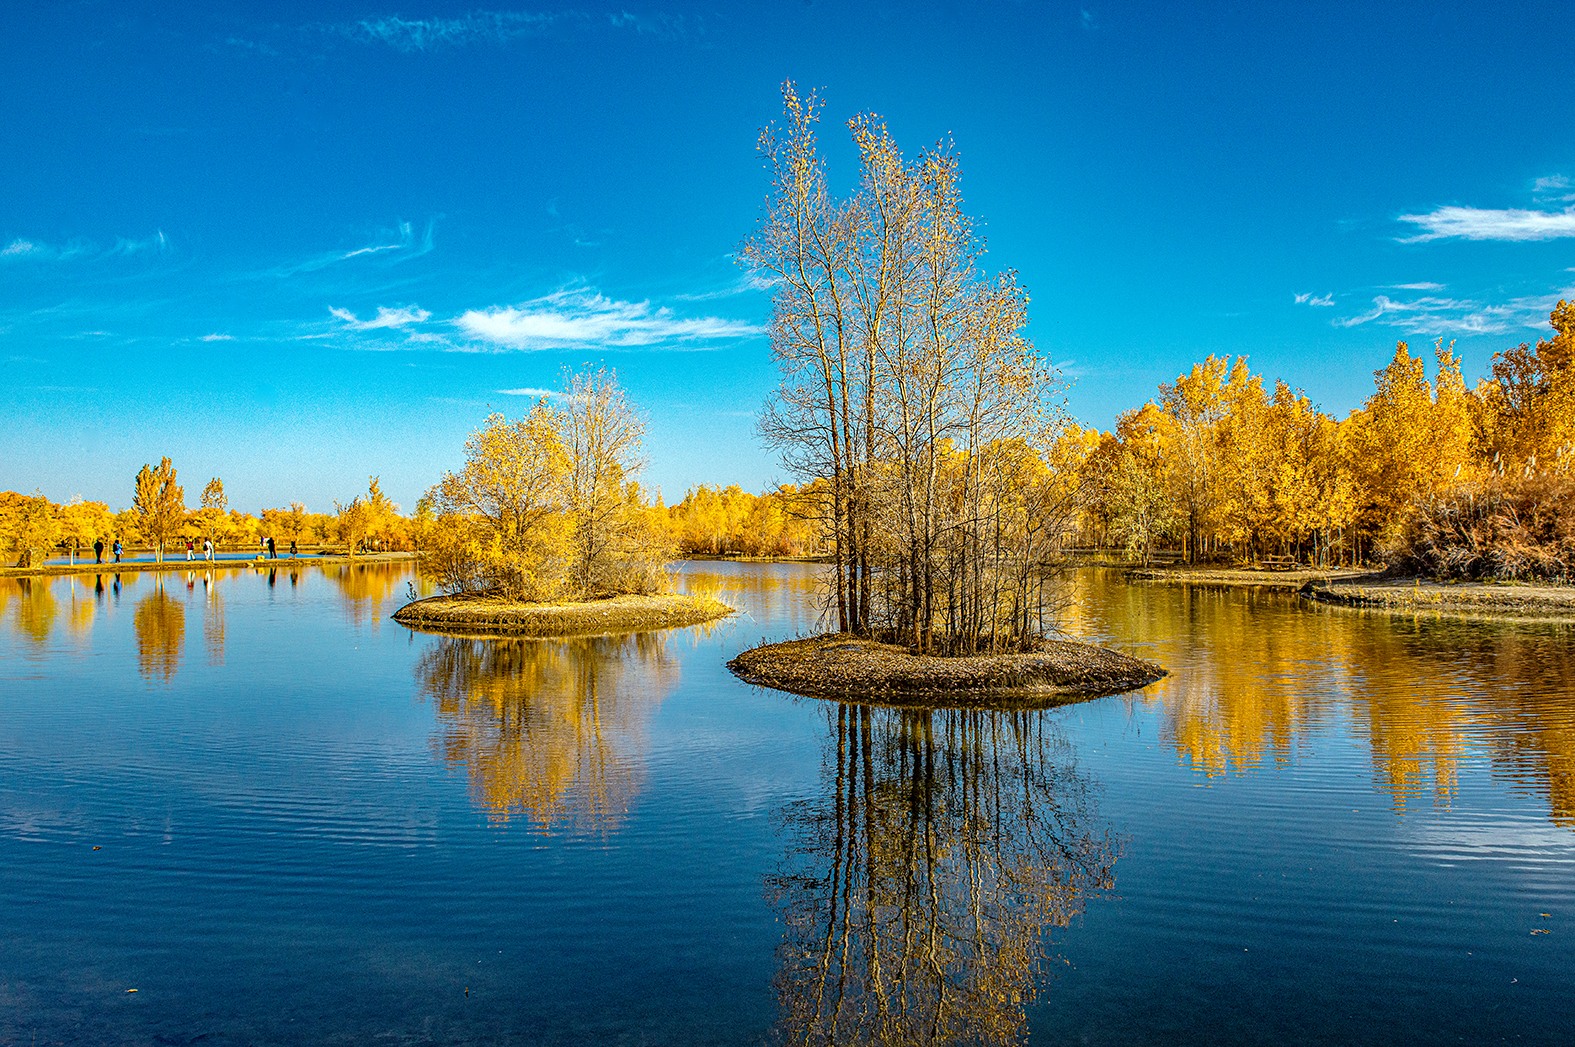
(281, 817)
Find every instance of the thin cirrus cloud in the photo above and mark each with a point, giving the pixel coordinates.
(1435, 315)
(1480, 223)
(416, 35)
(1554, 187)
(529, 391)
(1321, 301)
(578, 318)
(21, 249)
(385, 320)
(399, 245)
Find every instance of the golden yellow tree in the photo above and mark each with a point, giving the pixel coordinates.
(498, 520)
(160, 505)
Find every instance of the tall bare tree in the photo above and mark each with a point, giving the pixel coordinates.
(903, 366)
(601, 435)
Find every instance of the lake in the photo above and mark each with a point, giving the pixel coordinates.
(280, 817)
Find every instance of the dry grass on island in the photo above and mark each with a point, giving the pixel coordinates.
(1411, 595)
(482, 615)
(838, 665)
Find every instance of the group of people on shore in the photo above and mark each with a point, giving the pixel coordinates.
(266, 549)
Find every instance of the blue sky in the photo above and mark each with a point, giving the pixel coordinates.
(295, 245)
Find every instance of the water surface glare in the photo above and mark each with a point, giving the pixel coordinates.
(280, 817)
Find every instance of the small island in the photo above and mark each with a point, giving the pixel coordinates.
(545, 533)
(481, 615)
(838, 665)
(1447, 596)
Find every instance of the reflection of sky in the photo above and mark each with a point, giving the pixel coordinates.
(1473, 836)
(280, 845)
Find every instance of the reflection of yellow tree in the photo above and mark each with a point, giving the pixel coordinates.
(366, 588)
(790, 596)
(1533, 731)
(1253, 672)
(213, 620)
(36, 609)
(83, 608)
(918, 892)
(548, 727)
(160, 625)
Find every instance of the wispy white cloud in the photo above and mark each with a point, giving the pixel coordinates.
(423, 34)
(1436, 315)
(414, 35)
(400, 244)
(1422, 285)
(217, 337)
(574, 318)
(529, 391)
(743, 285)
(1553, 188)
(20, 249)
(386, 318)
(1478, 223)
(1320, 301)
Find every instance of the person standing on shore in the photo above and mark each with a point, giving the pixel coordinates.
(98, 550)
(188, 550)
(207, 549)
(118, 550)
(292, 548)
(273, 552)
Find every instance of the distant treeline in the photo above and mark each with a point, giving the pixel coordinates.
(719, 521)
(1432, 476)
(1436, 477)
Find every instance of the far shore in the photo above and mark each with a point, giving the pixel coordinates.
(1506, 599)
(55, 570)
(850, 668)
(490, 616)
(1245, 577)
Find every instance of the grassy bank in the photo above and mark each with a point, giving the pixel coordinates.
(55, 570)
(847, 667)
(1474, 598)
(474, 615)
(1248, 577)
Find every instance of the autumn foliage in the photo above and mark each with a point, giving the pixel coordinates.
(1432, 476)
(547, 507)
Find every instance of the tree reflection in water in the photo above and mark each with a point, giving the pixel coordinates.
(548, 728)
(160, 626)
(36, 607)
(917, 895)
(366, 588)
(213, 619)
(1255, 675)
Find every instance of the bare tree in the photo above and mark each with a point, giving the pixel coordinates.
(903, 366)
